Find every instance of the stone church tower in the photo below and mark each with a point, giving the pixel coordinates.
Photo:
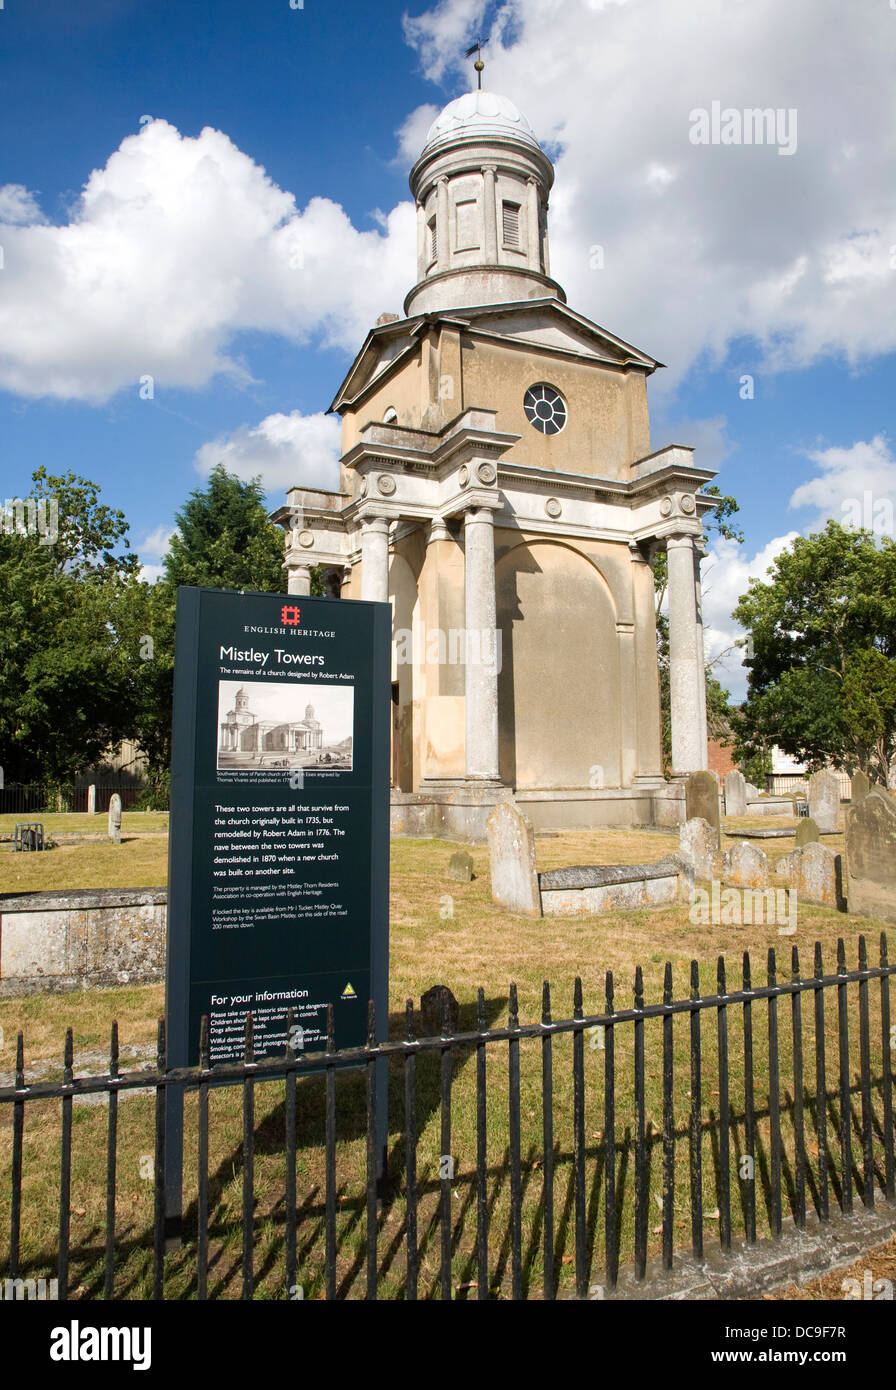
(498, 487)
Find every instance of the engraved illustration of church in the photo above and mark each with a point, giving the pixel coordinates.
(274, 738)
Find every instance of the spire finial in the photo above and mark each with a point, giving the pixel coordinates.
(478, 65)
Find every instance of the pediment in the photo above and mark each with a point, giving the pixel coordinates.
(546, 324)
(550, 324)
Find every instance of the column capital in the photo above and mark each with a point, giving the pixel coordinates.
(489, 168)
(479, 501)
(438, 531)
(372, 520)
(682, 541)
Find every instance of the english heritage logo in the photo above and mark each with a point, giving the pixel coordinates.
(290, 615)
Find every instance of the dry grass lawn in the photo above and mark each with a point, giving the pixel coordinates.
(444, 932)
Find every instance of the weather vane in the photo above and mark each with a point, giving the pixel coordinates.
(478, 65)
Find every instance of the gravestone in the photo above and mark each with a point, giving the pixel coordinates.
(699, 847)
(511, 847)
(460, 866)
(735, 794)
(701, 796)
(824, 799)
(752, 792)
(861, 786)
(431, 1004)
(91, 799)
(871, 856)
(806, 832)
(814, 872)
(746, 866)
(115, 818)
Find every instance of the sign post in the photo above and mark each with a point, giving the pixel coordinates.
(279, 831)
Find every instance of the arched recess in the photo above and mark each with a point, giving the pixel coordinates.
(403, 598)
(558, 689)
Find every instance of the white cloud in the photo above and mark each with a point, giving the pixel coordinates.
(284, 449)
(705, 245)
(156, 543)
(177, 246)
(413, 132)
(726, 573)
(856, 485)
(705, 436)
(18, 205)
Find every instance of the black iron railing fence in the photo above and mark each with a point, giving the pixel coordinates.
(572, 1203)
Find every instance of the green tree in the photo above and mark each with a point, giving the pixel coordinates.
(822, 681)
(64, 670)
(715, 522)
(223, 540)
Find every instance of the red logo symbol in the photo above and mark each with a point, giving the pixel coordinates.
(290, 615)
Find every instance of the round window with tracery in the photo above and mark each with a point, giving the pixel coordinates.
(545, 408)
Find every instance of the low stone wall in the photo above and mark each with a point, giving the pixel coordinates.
(461, 813)
(57, 941)
(578, 891)
(771, 806)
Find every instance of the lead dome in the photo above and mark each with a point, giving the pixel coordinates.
(478, 115)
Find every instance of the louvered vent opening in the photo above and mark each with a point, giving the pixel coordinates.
(433, 241)
(511, 224)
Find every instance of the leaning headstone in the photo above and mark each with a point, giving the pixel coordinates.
(752, 792)
(746, 866)
(814, 872)
(861, 786)
(431, 1005)
(460, 866)
(735, 794)
(699, 847)
(806, 832)
(115, 818)
(701, 796)
(871, 856)
(511, 848)
(91, 799)
(824, 799)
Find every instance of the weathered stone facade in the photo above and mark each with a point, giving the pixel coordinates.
(499, 488)
(83, 938)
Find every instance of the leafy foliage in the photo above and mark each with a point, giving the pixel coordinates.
(823, 667)
(64, 670)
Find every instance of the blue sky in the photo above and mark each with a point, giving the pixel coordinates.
(237, 245)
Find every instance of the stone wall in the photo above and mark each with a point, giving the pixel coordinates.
(84, 938)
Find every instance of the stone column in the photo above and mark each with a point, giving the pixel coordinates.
(628, 707)
(422, 257)
(490, 214)
(299, 581)
(443, 232)
(534, 231)
(481, 674)
(688, 747)
(375, 558)
(701, 657)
